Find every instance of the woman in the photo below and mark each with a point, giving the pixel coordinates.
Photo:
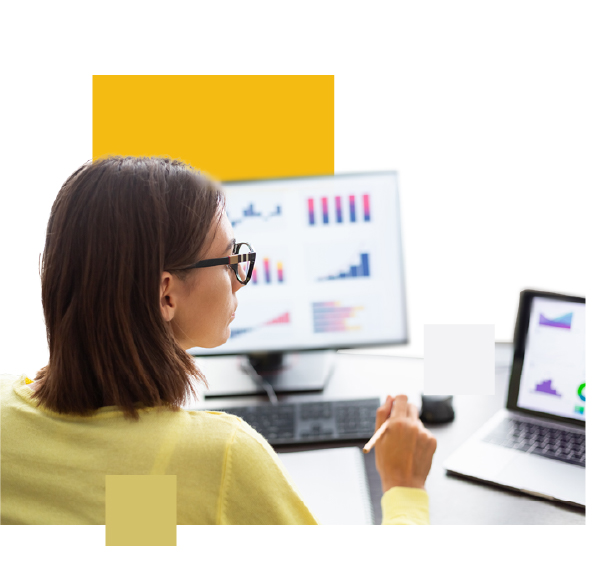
(123, 298)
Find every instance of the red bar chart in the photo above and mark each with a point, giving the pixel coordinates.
(349, 209)
(311, 203)
(366, 211)
(324, 210)
(268, 271)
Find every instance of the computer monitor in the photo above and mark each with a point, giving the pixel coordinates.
(329, 271)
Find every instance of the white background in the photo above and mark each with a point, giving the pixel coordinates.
(488, 110)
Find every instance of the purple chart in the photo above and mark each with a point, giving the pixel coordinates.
(546, 387)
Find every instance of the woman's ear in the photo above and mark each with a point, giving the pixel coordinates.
(167, 302)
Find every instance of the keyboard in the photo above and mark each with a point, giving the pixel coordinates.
(310, 422)
(554, 443)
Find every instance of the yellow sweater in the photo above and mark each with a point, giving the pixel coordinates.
(54, 466)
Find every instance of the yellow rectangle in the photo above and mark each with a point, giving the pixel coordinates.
(232, 127)
(141, 510)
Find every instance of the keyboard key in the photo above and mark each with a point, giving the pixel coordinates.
(554, 445)
(545, 453)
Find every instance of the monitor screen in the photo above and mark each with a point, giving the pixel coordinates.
(552, 378)
(329, 268)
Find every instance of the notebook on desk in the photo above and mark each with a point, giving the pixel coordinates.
(536, 444)
(333, 484)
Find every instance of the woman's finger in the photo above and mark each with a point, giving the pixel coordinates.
(412, 411)
(383, 412)
(399, 408)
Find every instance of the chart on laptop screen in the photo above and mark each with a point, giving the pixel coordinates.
(329, 269)
(553, 374)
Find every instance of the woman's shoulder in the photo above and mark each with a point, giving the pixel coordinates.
(215, 429)
(240, 429)
(9, 378)
(10, 382)
(242, 434)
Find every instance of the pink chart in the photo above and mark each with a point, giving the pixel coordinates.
(282, 319)
(340, 210)
(331, 316)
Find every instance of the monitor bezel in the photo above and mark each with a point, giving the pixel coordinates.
(519, 349)
(334, 346)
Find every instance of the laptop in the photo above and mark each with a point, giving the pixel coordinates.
(536, 444)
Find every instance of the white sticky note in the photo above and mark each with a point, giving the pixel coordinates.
(459, 359)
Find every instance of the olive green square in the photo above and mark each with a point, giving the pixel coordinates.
(141, 510)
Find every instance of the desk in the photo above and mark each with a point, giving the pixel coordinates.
(453, 500)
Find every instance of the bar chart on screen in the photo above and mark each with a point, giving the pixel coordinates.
(269, 272)
(270, 267)
(358, 269)
(336, 316)
(344, 261)
(280, 320)
(255, 214)
(339, 210)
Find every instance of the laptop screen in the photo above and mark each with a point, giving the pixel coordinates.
(552, 378)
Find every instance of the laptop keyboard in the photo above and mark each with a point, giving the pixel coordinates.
(545, 441)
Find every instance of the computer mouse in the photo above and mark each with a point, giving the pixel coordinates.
(437, 408)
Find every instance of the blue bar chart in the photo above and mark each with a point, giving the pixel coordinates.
(250, 212)
(354, 271)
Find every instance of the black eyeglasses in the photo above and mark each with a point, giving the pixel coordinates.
(242, 261)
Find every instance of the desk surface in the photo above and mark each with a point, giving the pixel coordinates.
(453, 500)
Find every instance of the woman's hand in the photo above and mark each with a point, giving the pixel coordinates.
(404, 452)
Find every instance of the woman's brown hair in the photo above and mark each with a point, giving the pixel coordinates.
(116, 224)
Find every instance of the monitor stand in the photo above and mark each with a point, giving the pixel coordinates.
(291, 372)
